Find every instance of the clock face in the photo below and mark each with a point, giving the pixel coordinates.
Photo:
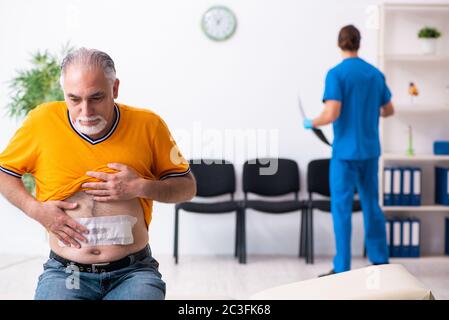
(219, 23)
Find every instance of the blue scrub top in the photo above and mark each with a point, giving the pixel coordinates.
(362, 91)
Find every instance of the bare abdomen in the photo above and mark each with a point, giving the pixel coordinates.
(103, 253)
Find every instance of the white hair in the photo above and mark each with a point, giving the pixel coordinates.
(90, 58)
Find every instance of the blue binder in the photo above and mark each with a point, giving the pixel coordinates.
(401, 192)
(388, 236)
(406, 191)
(397, 238)
(406, 247)
(446, 232)
(388, 184)
(445, 187)
(415, 237)
(442, 185)
(396, 188)
(416, 187)
(438, 185)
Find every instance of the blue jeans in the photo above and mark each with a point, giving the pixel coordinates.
(345, 176)
(139, 281)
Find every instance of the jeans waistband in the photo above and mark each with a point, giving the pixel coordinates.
(106, 266)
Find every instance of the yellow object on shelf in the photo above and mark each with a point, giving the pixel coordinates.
(413, 90)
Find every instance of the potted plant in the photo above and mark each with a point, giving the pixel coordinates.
(428, 37)
(31, 87)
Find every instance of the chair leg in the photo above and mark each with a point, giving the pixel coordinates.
(242, 237)
(175, 251)
(237, 234)
(306, 235)
(364, 249)
(302, 235)
(312, 254)
(309, 237)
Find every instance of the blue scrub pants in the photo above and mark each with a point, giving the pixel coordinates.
(345, 176)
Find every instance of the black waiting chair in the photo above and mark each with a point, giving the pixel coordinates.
(214, 177)
(317, 183)
(269, 177)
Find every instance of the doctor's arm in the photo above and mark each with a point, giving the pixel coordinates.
(329, 115)
(387, 110)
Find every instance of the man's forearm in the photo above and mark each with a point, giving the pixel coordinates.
(171, 190)
(14, 191)
(387, 110)
(322, 120)
(330, 113)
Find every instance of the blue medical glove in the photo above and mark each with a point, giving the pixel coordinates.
(308, 123)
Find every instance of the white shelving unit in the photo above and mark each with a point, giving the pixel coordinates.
(416, 58)
(415, 158)
(428, 114)
(416, 108)
(437, 208)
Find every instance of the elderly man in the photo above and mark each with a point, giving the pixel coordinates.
(98, 166)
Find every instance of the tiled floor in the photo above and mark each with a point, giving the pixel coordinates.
(201, 277)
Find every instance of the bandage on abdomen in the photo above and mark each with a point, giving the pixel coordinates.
(107, 230)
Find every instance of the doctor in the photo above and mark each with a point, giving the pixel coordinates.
(355, 96)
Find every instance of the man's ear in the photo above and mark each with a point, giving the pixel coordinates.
(115, 88)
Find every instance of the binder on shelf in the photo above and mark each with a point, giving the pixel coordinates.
(438, 184)
(388, 235)
(403, 237)
(388, 197)
(446, 232)
(416, 187)
(396, 247)
(406, 187)
(442, 185)
(415, 237)
(406, 239)
(445, 186)
(401, 192)
(396, 186)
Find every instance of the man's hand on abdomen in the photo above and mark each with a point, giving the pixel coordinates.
(52, 216)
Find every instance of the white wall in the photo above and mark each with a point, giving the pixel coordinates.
(167, 64)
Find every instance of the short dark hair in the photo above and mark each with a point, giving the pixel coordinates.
(349, 38)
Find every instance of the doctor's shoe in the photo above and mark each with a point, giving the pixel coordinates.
(327, 274)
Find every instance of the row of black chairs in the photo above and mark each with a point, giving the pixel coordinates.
(217, 178)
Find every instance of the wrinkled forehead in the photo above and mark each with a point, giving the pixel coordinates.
(82, 80)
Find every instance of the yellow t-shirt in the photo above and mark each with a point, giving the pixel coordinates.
(50, 148)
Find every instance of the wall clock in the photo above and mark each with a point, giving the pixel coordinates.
(219, 23)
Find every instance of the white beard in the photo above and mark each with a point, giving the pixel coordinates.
(90, 130)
